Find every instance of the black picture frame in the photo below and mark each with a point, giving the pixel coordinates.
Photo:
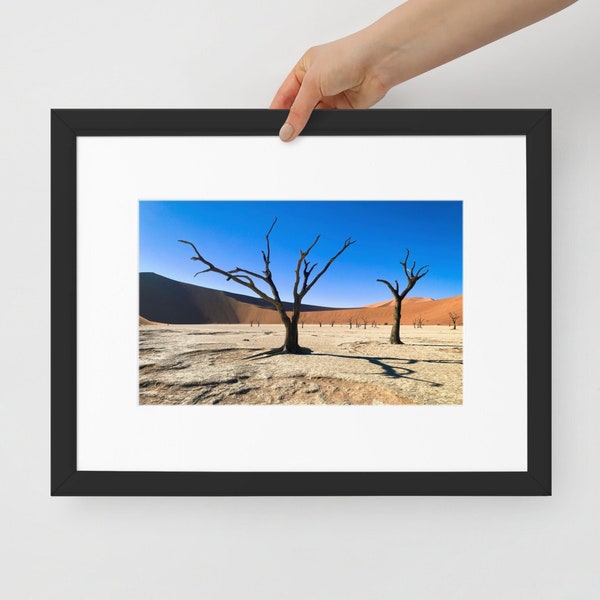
(67, 125)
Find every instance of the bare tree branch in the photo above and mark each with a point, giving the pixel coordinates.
(247, 272)
(404, 264)
(267, 256)
(269, 233)
(243, 277)
(411, 276)
(301, 259)
(392, 289)
(306, 288)
(246, 281)
(307, 270)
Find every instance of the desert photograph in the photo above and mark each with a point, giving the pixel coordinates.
(300, 303)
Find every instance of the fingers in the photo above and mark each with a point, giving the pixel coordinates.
(287, 92)
(307, 97)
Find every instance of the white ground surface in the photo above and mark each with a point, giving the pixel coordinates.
(214, 364)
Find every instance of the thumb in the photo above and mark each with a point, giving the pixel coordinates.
(307, 98)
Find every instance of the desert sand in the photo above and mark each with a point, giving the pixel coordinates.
(217, 364)
(164, 300)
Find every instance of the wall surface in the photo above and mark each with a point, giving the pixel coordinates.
(234, 54)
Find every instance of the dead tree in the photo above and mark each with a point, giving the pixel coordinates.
(420, 322)
(364, 320)
(332, 319)
(304, 281)
(454, 317)
(412, 277)
(350, 320)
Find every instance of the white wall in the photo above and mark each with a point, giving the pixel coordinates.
(233, 54)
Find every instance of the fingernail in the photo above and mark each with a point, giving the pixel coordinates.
(286, 132)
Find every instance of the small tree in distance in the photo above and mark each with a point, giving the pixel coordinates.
(412, 277)
(304, 281)
(454, 317)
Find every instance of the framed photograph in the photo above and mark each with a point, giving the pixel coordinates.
(363, 311)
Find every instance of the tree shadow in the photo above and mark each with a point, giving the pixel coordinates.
(388, 370)
(435, 345)
(278, 351)
(397, 372)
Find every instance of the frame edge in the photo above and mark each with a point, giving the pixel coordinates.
(539, 301)
(63, 297)
(66, 124)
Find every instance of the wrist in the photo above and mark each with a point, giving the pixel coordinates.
(388, 54)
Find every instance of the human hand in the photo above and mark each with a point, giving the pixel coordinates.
(419, 35)
(340, 74)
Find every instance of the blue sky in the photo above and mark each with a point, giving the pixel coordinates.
(232, 234)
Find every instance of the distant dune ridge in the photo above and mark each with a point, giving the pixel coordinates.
(164, 300)
(144, 321)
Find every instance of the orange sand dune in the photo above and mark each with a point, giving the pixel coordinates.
(164, 300)
(144, 321)
(432, 312)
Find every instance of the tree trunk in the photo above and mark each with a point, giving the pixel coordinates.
(395, 335)
(291, 345)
